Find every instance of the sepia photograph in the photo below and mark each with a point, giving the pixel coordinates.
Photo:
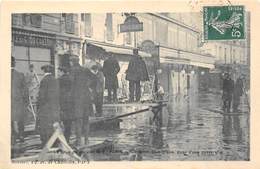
(130, 86)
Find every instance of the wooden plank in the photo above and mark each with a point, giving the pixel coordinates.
(129, 104)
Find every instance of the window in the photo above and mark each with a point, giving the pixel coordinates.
(26, 19)
(69, 23)
(88, 25)
(220, 52)
(36, 20)
(225, 55)
(82, 16)
(172, 37)
(128, 38)
(234, 56)
(109, 27)
(216, 50)
(182, 40)
(162, 32)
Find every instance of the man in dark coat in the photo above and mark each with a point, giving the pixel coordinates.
(135, 73)
(81, 99)
(66, 105)
(228, 89)
(98, 88)
(111, 68)
(49, 105)
(238, 92)
(19, 102)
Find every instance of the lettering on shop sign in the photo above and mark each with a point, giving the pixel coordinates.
(21, 38)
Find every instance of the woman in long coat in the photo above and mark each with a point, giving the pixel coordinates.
(49, 106)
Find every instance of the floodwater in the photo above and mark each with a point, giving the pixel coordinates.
(191, 130)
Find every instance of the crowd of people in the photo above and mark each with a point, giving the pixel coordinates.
(72, 97)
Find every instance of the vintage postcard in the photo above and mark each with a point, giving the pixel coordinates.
(146, 84)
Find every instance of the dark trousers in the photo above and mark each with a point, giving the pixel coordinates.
(134, 90)
(17, 134)
(67, 129)
(110, 90)
(227, 105)
(99, 103)
(82, 129)
(236, 102)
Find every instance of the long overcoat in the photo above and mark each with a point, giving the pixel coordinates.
(66, 105)
(19, 96)
(137, 70)
(228, 89)
(49, 106)
(110, 69)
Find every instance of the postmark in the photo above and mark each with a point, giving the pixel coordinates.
(223, 22)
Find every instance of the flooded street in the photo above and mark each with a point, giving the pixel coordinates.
(190, 131)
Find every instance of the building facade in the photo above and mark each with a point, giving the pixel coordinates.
(169, 43)
(40, 39)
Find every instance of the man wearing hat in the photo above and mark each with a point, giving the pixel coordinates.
(228, 89)
(238, 92)
(111, 68)
(135, 73)
(48, 102)
(81, 99)
(19, 102)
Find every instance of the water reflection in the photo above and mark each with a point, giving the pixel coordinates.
(232, 131)
(185, 132)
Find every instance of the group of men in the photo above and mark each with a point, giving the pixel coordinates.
(232, 92)
(73, 96)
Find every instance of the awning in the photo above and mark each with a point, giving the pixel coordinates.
(170, 55)
(205, 65)
(174, 60)
(118, 49)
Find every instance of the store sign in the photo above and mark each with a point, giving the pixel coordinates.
(131, 24)
(28, 38)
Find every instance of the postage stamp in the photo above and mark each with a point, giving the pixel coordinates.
(223, 22)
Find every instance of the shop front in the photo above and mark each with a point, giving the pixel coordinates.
(29, 47)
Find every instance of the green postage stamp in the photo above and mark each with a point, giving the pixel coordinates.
(223, 22)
